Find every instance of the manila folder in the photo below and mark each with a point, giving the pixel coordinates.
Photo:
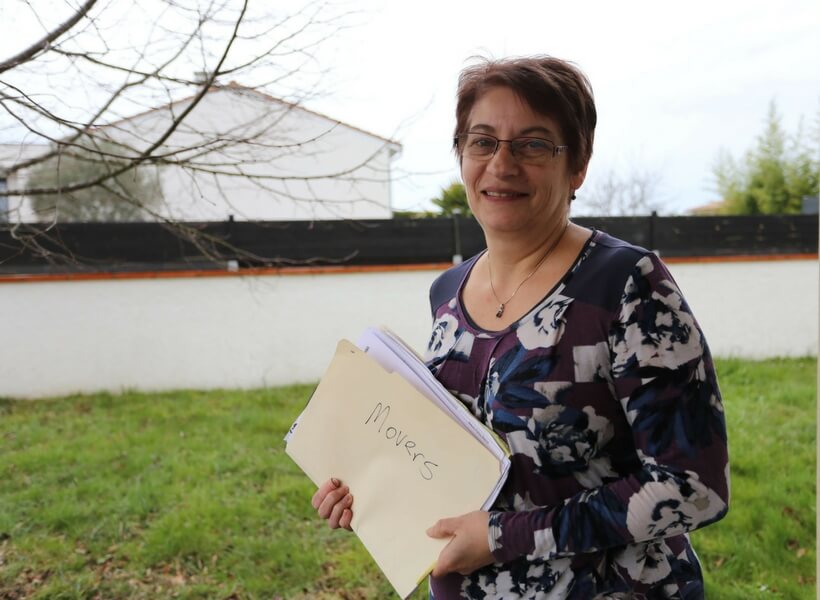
(407, 462)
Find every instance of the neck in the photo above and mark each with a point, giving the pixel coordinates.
(513, 257)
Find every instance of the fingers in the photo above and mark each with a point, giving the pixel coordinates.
(443, 564)
(443, 528)
(338, 510)
(345, 519)
(452, 558)
(327, 487)
(333, 502)
(468, 549)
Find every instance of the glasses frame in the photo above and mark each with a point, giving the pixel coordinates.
(556, 149)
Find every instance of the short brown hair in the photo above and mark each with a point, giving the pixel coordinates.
(551, 86)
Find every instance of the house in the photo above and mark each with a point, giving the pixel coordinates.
(242, 154)
(708, 210)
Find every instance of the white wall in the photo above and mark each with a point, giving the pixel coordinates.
(305, 166)
(152, 334)
(754, 309)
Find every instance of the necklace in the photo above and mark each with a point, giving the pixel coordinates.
(502, 305)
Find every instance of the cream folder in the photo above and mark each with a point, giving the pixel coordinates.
(406, 461)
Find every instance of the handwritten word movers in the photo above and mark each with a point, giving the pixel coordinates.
(379, 416)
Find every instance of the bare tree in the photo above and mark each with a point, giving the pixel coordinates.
(118, 85)
(613, 193)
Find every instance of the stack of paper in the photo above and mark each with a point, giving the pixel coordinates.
(410, 452)
(392, 353)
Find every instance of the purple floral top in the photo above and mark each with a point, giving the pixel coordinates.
(606, 394)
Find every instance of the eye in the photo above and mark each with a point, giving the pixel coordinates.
(533, 144)
(481, 141)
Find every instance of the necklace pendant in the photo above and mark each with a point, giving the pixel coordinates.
(500, 311)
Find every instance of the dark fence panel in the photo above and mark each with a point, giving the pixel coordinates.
(136, 246)
(721, 236)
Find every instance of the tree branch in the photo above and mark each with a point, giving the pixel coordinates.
(44, 43)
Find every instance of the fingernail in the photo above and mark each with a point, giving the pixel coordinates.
(348, 499)
(335, 481)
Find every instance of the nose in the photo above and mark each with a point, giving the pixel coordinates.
(503, 163)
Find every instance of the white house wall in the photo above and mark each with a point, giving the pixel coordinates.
(243, 332)
(275, 162)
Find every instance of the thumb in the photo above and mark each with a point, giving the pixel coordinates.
(442, 528)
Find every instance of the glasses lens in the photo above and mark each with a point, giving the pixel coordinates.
(531, 148)
(482, 145)
(477, 145)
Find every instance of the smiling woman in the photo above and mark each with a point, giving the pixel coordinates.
(513, 193)
(580, 351)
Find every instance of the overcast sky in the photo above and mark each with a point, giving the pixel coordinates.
(674, 83)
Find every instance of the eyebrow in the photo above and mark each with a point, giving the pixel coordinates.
(524, 132)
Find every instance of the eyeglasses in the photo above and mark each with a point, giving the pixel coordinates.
(483, 146)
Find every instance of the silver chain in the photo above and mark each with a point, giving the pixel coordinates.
(502, 305)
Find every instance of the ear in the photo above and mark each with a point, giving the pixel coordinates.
(576, 180)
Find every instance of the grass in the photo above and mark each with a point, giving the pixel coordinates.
(765, 547)
(190, 495)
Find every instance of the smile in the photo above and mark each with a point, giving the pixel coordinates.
(503, 194)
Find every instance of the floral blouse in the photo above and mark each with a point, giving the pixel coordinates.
(606, 394)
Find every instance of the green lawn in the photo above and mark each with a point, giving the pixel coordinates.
(190, 495)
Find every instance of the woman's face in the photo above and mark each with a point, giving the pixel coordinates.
(509, 196)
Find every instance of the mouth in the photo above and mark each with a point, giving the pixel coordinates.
(504, 194)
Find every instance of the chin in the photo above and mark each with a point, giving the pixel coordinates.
(504, 214)
(509, 225)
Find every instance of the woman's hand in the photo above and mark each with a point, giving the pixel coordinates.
(469, 549)
(333, 501)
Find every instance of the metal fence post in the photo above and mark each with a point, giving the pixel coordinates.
(457, 256)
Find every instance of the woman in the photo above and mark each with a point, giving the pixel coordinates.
(580, 351)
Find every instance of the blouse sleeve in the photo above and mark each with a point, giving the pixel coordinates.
(662, 374)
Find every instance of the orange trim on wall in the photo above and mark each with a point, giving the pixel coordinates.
(338, 269)
(323, 270)
(737, 258)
